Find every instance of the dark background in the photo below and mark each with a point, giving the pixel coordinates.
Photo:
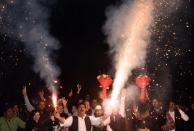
(84, 52)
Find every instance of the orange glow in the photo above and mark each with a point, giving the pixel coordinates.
(54, 99)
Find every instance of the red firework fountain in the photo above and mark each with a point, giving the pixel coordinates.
(105, 81)
(142, 81)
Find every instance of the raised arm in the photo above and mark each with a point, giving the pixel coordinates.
(73, 98)
(106, 121)
(41, 95)
(26, 100)
(64, 102)
(184, 116)
(64, 122)
(95, 121)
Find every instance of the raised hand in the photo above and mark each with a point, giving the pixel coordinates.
(41, 94)
(56, 115)
(64, 101)
(71, 93)
(135, 108)
(24, 92)
(79, 87)
(36, 117)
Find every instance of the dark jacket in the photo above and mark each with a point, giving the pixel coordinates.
(117, 123)
(74, 126)
(157, 120)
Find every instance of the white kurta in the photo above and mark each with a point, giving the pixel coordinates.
(81, 122)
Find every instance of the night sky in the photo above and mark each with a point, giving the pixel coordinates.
(83, 53)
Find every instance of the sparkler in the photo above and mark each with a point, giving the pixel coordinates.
(54, 99)
(54, 93)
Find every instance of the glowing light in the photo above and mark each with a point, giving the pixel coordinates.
(54, 99)
(2, 7)
(55, 81)
(110, 105)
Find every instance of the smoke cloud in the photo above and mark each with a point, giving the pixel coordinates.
(28, 22)
(128, 35)
(129, 28)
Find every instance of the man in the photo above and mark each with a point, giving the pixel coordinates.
(117, 120)
(175, 118)
(62, 110)
(191, 118)
(33, 123)
(157, 116)
(9, 122)
(41, 108)
(99, 113)
(15, 110)
(88, 107)
(142, 116)
(74, 110)
(93, 105)
(81, 122)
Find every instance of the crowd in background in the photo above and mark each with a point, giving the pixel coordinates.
(74, 113)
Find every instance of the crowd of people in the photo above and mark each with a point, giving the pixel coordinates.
(74, 113)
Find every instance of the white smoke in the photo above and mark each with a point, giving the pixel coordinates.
(28, 22)
(132, 94)
(128, 34)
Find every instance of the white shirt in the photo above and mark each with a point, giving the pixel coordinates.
(172, 114)
(81, 122)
